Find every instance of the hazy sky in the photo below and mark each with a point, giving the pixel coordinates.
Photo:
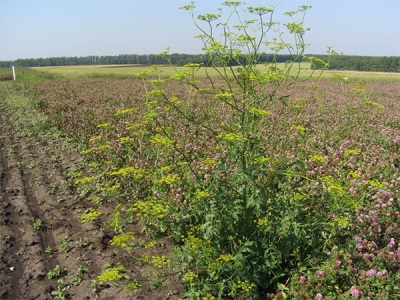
(53, 28)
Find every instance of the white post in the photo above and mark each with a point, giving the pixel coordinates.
(13, 70)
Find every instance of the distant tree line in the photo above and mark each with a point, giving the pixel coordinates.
(339, 62)
(146, 59)
(363, 63)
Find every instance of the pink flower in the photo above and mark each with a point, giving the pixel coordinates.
(318, 296)
(359, 246)
(354, 291)
(370, 273)
(391, 243)
(374, 245)
(381, 273)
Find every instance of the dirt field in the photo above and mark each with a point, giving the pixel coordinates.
(46, 251)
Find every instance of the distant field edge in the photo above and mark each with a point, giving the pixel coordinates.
(130, 70)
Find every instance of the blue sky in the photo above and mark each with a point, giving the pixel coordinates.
(53, 28)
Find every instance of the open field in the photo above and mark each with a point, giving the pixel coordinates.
(114, 188)
(130, 71)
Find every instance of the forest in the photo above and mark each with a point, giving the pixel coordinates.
(337, 62)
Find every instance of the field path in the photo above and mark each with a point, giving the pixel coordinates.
(40, 227)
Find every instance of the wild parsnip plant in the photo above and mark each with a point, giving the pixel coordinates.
(234, 207)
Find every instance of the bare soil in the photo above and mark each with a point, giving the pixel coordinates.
(36, 187)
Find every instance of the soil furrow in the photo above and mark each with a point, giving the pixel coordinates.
(29, 262)
(26, 261)
(40, 220)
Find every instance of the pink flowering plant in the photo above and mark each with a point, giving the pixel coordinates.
(270, 186)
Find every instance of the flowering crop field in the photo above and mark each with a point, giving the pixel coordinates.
(315, 213)
(130, 71)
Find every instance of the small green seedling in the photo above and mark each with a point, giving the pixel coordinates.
(57, 272)
(37, 225)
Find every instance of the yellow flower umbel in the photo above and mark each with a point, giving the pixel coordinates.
(189, 276)
(351, 152)
(318, 158)
(95, 149)
(209, 162)
(260, 160)
(158, 139)
(124, 240)
(259, 112)
(124, 112)
(110, 273)
(355, 174)
(333, 186)
(134, 171)
(299, 128)
(376, 183)
(159, 261)
(245, 285)
(261, 222)
(232, 137)
(150, 244)
(84, 180)
(103, 125)
(90, 215)
(341, 221)
(201, 194)
(169, 179)
(150, 208)
(226, 257)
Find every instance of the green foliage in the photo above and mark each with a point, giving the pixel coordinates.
(37, 225)
(57, 272)
(24, 75)
(6, 74)
(365, 63)
(118, 275)
(61, 289)
(63, 243)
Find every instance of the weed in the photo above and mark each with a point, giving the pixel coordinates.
(53, 159)
(82, 269)
(37, 225)
(52, 187)
(33, 164)
(82, 243)
(48, 250)
(77, 279)
(59, 294)
(63, 243)
(57, 272)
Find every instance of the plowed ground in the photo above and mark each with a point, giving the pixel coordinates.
(40, 210)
